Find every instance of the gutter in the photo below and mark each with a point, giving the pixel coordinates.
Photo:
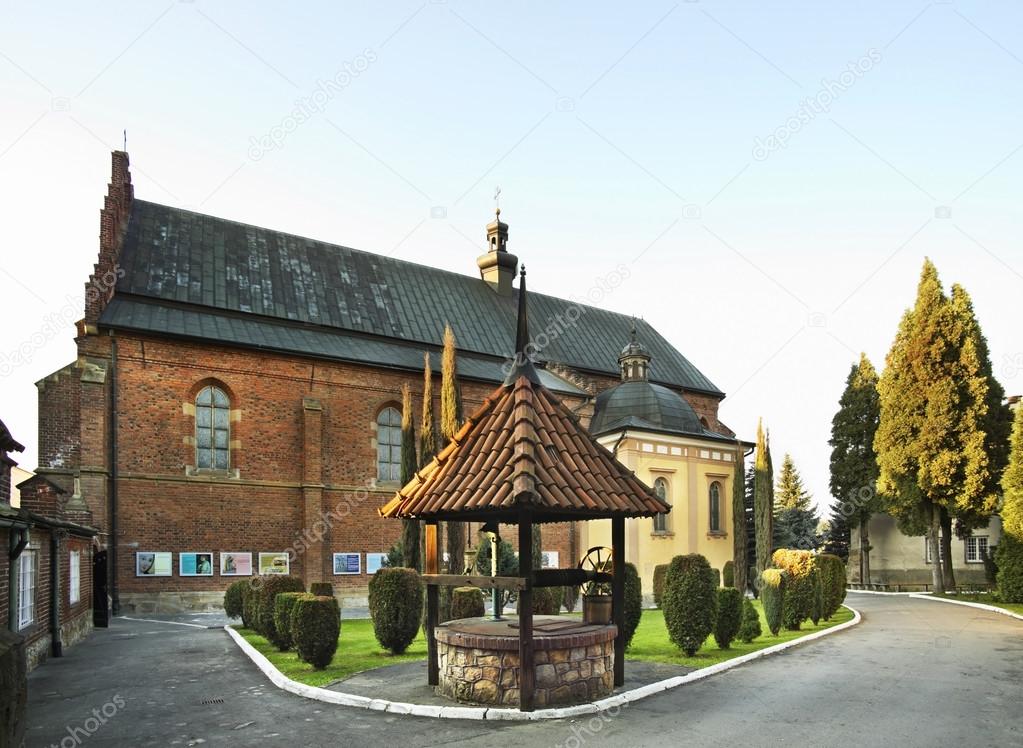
(56, 647)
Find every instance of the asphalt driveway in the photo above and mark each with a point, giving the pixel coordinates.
(914, 673)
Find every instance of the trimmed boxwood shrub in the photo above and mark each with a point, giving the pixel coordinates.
(729, 616)
(798, 586)
(728, 574)
(323, 589)
(396, 606)
(659, 572)
(467, 602)
(283, 604)
(1009, 557)
(817, 609)
(249, 606)
(633, 602)
(233, 598)
(690, 602)
(832, 583)
(266, 597)
(547, 601)
(315, 627)
(570, 597)
(715, 575)
(750, 627)
(772, 594)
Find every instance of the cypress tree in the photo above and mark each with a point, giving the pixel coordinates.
(854, 470)
(763, 501)
(409, 527)
(935, 431)
(428, 433)
(450, 423)
(1010, 550)
(739, 536)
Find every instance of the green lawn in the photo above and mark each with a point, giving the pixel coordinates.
(358, 649)
(983, 597)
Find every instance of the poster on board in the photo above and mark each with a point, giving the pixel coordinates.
(274, 563)
(234, 564)
(375, 562)
(193, 564)
(347, 563)
(549, 560)
(153, 564)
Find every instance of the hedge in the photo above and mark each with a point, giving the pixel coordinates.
(659, 573)
(266, 597)
(690, 602)
(233, 598)
(315, 627)
(728, 574)
(729, 617)
(772, 593)
(633, 602)
(832, 583)
(1009, 557)
(467, 602)
(798, 586)
(324, 589)
(396, 605)
(283, 605)
(750, 627)
(249, 605)
(715, 575)
(817, 608)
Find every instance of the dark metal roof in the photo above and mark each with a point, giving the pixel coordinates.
(187, 258)
(643, 405)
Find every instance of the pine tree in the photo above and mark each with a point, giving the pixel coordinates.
(791, 493)
(450, 423)
(739, 535)
(795, 520)
(934, 432)
(854, 470)
(763, 501)
(409, 527)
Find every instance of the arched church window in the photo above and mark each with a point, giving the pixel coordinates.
(715, 507)
(389, 445)
(661, 488)
(212, 429)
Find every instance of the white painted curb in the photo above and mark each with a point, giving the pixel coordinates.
(465, 712)
(887, 594)
(980, 606)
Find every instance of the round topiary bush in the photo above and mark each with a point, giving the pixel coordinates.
(749, 629)
(321, 589)
(659, 572)
(690, 602)
(467, 602)
(832, 583)
(772, 594)
(633, 602)
(249, 605)
(729, 617)
(266, 597)
(728, 574)
(283, 604)
(233, 599)
(1009, 557)
(396, 606)
(315, 627)
(798, 586)
(715, 575)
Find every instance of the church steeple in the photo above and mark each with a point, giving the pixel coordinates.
(634, 360)
(497, 266)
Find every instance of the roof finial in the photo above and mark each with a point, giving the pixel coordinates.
(497, 201)
(634, 329)
(522, 365)
(125, 132)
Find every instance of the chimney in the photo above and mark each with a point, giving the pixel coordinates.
(113, 220)
(498, 267)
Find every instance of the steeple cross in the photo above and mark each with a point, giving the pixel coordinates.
(497, 199)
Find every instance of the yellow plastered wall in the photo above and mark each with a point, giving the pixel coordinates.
(689, 467)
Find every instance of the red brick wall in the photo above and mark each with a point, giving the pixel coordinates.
(59, 433)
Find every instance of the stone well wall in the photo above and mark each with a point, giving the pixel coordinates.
(482, 668)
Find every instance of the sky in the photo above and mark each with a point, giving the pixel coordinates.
(770, 175)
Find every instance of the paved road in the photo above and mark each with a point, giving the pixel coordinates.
(914, 673)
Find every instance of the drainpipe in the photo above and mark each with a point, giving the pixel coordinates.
(18, 539)
(56, 648)
(112, 555)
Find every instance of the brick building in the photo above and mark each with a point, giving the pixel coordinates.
(236, 393)
(46, 569)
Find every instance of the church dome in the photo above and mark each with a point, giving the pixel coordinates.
(640, 404)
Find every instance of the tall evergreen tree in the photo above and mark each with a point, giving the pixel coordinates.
(795, 520)
(934, 432)
(409, 527)
(450, 423)
(428, 440)
(751, 523)
(739, 535)
(854, 470)
(763, 501)
(1012, 483)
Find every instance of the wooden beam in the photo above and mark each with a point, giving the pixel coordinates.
(432, 663)
(486, 583)
(567, 577)
(618, 595)
(527, 667)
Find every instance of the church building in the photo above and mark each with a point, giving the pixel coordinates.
(234, 407)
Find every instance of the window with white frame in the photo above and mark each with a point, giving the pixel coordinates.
(27, 572)
(74, 576)
(927, 551)
(976, 549)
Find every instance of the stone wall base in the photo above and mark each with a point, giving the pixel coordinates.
(164, 603)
